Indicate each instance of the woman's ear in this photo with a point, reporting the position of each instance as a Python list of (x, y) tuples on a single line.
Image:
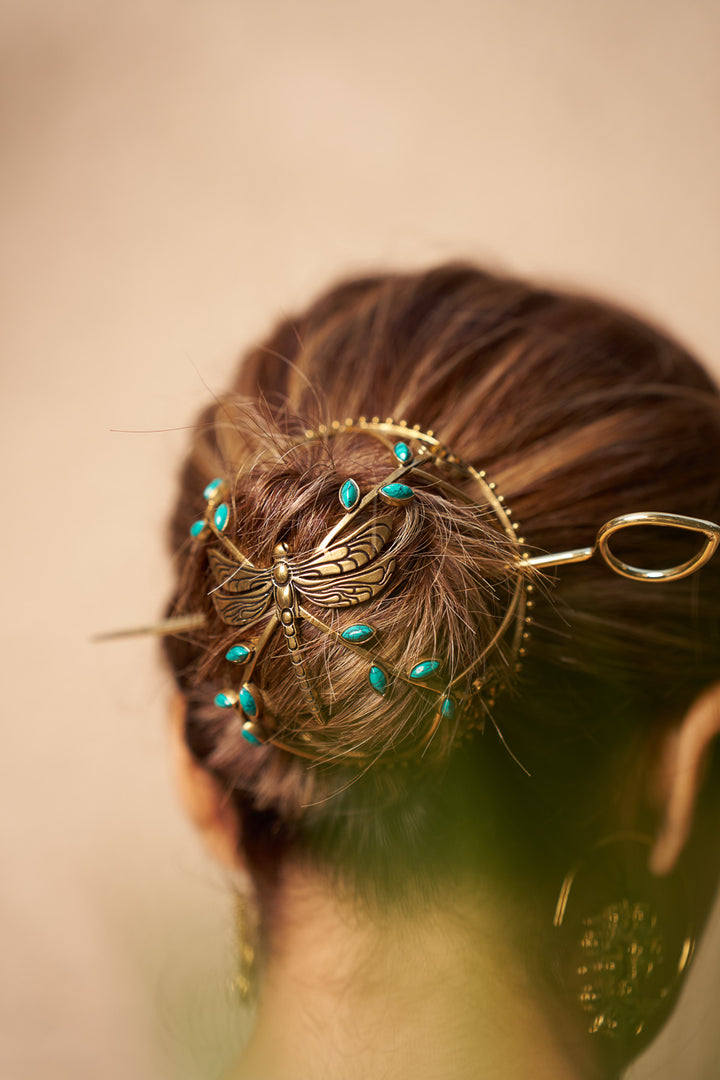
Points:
[(206, 805), (678, 777)]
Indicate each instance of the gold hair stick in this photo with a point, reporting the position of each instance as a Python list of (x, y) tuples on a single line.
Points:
[(561, 558), (179, 624)]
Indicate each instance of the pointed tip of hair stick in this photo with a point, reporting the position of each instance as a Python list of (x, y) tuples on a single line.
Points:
[(179, 624)]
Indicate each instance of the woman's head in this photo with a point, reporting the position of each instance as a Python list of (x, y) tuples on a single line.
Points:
[(579, 413)]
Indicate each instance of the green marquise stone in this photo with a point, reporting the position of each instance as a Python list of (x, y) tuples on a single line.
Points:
[(447, 709), (248, 704), (402, 452), (377, 679), (212, 487), (222, 516), (397, 492), (238, 654), (248, 734), (225, 700), (197, 527), (349, 494), (425, 669), (357, 633)]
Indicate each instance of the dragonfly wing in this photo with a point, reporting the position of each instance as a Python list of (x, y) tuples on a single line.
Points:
[(346, 555), (242, 593), (241, 610), (354, 587), (234, 577)]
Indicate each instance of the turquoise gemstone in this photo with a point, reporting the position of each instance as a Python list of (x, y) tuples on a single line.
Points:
[(225, 700), (447, 709), (248, 704), (222, 516), (212, 487), (197, 527), (249, 736), (238, 654), (402, 452), (425, 669), (377, 679), (358, 633), (397, 493), (349, 494)]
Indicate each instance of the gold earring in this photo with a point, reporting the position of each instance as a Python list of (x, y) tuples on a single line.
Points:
[(244, 981), (628, 937)]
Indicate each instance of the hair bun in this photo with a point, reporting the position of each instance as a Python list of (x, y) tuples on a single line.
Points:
[(366, 599)]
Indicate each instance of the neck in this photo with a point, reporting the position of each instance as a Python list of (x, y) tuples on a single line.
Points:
[(433, 993)]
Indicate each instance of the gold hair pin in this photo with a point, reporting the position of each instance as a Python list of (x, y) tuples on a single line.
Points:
[(354, 563), (351, 566)]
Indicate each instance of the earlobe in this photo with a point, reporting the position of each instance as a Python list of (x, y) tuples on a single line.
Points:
[(201, 796), (680, 774)]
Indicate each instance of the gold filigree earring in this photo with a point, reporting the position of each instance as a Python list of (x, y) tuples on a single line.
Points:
[(627, 937), (244, 981)]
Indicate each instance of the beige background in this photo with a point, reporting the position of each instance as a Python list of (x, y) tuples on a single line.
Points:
[(175, 173)]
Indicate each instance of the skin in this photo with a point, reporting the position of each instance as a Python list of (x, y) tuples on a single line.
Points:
[(430, 994)]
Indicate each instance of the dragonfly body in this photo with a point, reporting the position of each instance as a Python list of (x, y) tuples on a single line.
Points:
[(286, 610), (284, 595)]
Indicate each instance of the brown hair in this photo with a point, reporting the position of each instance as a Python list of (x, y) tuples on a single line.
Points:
[(580, 412)]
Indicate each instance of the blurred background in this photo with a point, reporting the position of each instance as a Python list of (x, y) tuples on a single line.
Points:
[(175, 174)]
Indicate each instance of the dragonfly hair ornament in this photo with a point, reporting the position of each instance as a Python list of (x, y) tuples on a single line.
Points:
[(353, 563)]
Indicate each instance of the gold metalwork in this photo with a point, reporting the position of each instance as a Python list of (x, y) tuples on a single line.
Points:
[(621, 967), (177, 624), (243, 982), (354, 563), (352, 571), (350, 566), (708, 529)]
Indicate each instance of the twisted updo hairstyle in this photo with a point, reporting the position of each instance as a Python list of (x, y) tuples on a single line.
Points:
[(580, 413)]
